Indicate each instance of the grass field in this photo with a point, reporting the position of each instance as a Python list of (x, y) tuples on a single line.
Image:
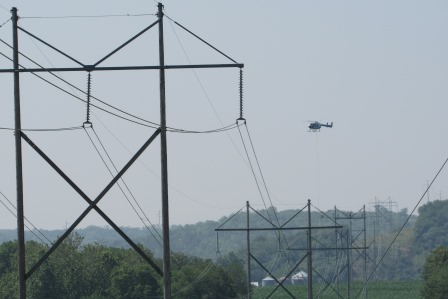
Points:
[(375, 290)]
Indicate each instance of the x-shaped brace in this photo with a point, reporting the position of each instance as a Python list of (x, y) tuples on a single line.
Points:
[(92, 204)]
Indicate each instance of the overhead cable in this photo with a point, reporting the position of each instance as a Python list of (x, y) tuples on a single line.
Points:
[(122, 180), (31, 231), (87, 16), (279, 233), (45, 130), (202, 40), (154, 125), (79, 98), (5, 22), (404, 224), (156, 175), (204, 91), (71, 85)]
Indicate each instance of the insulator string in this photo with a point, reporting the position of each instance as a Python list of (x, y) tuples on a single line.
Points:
[(241, 94), (87, 122)]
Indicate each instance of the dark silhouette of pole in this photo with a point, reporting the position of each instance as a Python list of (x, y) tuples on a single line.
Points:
[(17, 69), (349, 266), (19, 173), (164, 165), (365, 255), (310, 261), (248, 253)]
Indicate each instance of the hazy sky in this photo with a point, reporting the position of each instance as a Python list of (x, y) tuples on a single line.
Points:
[(377, 69)]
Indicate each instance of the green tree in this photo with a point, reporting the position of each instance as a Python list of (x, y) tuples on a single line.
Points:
[(435, 274), (8, 256), (9, 285), (234, 267), (206, 279), (98, 263), (431, 225), (134, 282)]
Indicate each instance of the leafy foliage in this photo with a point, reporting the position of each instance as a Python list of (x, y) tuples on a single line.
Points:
[(95, 271), (432, 225), (435, 274)]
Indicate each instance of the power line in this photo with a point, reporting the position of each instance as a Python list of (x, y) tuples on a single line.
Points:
[(405, 222), (110, 171), (5, 22), (253, 173), (71, 85), (45, 130), (156, 175), (224, 128), (89, 16), (31, 231), (279, 233), (202, 40), (154, 126), (203, 89), (132, 195)]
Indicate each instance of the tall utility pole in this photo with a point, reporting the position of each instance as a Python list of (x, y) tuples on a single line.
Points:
[(310, 257), (19, 135), (248, 251), (164, 165), (19, 173)]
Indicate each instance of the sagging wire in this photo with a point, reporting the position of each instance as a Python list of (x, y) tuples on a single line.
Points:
[(149, 123), (403, 226), (85, 16), (159, 239), (124, 183), (4, 23), (223, 129), (156, 175), (253, 171), (263, 180), (29, 222), (203, 89), (277, 233), (45, 130), (79, 98), (72, 86)]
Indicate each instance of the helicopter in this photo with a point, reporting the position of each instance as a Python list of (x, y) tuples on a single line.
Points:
[(315, 126)]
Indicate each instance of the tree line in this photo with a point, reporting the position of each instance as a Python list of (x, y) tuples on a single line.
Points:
[(82, 268), (94, 271)]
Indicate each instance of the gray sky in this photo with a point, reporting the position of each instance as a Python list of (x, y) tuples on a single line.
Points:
[(377, 69)]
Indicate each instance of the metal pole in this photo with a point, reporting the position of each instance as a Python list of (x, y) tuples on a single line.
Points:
[(348, 263), (365, 256), (164, 165), (310, 265), (248, 252), (337, 251), (19, 173)]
